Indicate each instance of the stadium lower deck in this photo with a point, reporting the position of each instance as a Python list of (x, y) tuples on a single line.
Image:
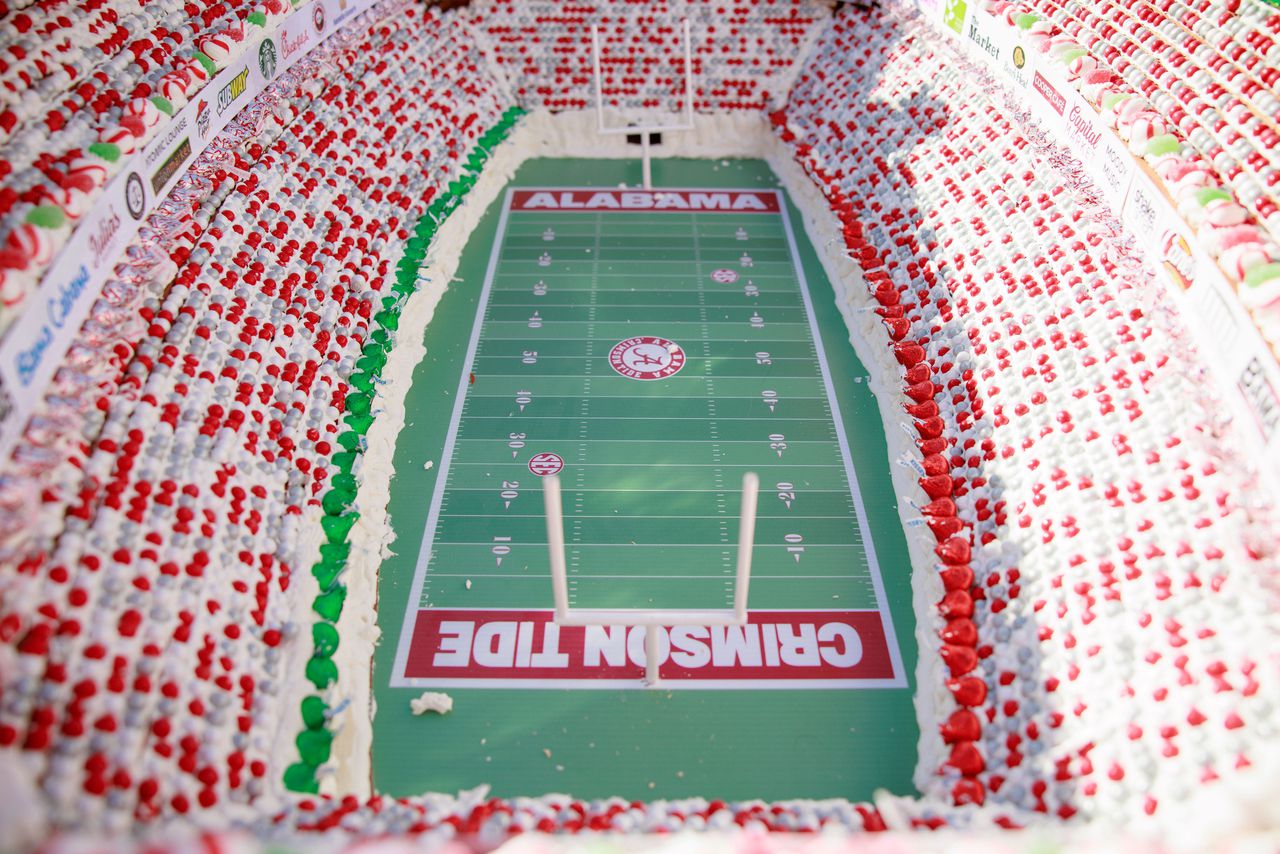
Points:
[(650, 355)]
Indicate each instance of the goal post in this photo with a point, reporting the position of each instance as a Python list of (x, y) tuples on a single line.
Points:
[(644, 129), (650, 618)]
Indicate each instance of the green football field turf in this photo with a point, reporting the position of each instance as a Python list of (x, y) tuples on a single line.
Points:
[(651, 357)]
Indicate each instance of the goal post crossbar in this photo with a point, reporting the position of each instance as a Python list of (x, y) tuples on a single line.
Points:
[(643, 129), (650, 617)]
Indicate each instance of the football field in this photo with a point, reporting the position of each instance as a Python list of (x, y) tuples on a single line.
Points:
[(649, 348)]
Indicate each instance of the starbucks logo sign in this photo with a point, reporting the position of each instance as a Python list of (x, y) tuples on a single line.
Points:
[(267, 59)]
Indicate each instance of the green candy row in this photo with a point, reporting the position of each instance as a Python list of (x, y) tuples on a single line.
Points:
[(315, 741)]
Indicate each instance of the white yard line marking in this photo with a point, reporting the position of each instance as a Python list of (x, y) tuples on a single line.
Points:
[(783, 465), (538, 578)]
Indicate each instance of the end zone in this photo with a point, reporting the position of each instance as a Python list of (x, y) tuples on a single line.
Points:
[(502, 648)]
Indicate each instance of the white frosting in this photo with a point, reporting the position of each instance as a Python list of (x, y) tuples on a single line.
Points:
[(23, 817), (431, 701), (297, 648)]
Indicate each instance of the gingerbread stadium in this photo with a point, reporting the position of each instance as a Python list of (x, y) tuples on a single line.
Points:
[(772, 426)]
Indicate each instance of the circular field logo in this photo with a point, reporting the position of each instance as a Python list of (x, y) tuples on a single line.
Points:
[(725, 276), (546, 464), (646, 358)]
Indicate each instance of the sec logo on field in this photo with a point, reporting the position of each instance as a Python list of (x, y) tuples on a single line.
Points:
[(646, 358), (724, 276), (546, 464)]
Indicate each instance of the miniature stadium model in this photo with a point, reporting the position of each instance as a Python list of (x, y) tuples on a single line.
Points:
[(435, 424)]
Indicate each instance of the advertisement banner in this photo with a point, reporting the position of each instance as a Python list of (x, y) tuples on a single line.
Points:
[(1245, 367), (1112, 167), (1247, 373), (954, 15), (1012, 56), (34, 346)]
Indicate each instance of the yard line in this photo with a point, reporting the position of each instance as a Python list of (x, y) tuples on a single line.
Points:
[(537, 576), (542, 305), (580, 357), (660, 491), (720, 546), (505, 516), (535, 338), (781, 464), (525, 376), (540, 338), (633, 397), (682, 441), (761, 418)]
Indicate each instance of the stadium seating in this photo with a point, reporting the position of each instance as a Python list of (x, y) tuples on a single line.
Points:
[(1102, 550), (1204, 69), (1061, 427), (744, 52), (149, 621), (83, 83)]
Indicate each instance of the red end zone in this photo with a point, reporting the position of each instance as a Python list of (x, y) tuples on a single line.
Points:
[(525, 648)]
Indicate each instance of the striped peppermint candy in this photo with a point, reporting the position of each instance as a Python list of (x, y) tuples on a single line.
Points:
[(86, 174), (14, 287), (1221, 213), (1238, 259), (145, 110), (1141, 129), (174, 88), (193, 69), (31, 243), (1261, 290), (72, 201), (1082, 65), (119, 136), (218, 48)]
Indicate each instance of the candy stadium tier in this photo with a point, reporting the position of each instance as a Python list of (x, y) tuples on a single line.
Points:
[(744, 53), (153, 596), (1065, 438), (84, 85), (1095, 559)]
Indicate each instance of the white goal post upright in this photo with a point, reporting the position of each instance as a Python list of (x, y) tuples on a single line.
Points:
[(643, 129), (650, 618)]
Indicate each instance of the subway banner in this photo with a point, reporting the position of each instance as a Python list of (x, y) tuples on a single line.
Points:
[(34, 346)]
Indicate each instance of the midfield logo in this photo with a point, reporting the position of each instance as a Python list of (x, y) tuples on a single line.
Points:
[(647, 358)]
